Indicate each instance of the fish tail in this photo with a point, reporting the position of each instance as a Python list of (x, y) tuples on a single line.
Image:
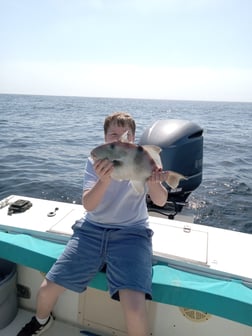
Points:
[(174, 179)]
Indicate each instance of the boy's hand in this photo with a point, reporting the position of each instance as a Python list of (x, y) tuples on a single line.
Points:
[(158, 176), (158, 193), (92, 197), (103, 168)]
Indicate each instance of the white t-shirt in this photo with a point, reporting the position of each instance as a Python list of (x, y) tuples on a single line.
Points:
[(121, 205)]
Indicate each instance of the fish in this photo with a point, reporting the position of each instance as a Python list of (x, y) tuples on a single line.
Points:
[(134, 163)]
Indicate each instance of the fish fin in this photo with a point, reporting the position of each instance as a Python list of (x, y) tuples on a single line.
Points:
[(138, 186), (152, 148), (154, 152), (124, 137), (174, 179)]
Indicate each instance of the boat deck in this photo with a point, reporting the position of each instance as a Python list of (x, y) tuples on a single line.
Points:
[(58, 327), (196, 273)]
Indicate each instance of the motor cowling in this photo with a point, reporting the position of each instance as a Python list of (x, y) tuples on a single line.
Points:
[(181, 144)]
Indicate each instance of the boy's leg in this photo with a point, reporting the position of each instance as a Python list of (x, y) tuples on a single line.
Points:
[(47, 297), (129, 274), (135, 313), (76, 266)]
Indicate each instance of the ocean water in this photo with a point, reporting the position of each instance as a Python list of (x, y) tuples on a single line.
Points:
[(45, 140)]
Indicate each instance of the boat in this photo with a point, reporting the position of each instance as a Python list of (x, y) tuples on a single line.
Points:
[(202, 275)]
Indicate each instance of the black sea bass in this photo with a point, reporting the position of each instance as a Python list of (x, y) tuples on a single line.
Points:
[(133, 162)]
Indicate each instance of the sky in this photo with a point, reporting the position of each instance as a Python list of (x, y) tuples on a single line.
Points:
[(155, 49)]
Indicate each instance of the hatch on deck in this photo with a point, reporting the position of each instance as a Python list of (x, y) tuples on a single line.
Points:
[(180, 243)]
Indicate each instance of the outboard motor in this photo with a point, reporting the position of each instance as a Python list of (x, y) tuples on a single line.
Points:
[(181, 142)]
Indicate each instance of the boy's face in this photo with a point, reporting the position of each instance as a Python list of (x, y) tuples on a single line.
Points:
[(115, 132)]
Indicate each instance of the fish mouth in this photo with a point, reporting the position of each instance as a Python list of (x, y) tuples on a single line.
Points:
[(117, 163)]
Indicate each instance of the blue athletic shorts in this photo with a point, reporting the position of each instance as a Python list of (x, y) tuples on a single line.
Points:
[(126, 253)]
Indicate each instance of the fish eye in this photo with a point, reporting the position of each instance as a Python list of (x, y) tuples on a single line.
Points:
[(112, 145), (140, 148)]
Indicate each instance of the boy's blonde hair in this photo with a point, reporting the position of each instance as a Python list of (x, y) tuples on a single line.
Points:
[(122, 119)]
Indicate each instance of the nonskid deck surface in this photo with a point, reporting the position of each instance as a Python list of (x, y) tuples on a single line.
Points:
[(57, 329)]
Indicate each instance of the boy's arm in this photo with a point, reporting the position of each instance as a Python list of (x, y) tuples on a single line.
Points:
[(92, 197), (157, 192)]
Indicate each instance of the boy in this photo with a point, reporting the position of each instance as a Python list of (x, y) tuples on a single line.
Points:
[(114, 232)]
